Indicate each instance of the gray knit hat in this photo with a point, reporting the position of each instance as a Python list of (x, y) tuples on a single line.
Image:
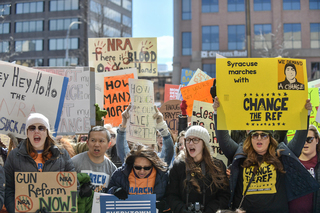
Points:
[(199, 132)]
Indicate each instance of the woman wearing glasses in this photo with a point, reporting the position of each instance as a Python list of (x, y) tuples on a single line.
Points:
[(310, 158), (142, 173), (197, 180), (265, 174), (38, 153)]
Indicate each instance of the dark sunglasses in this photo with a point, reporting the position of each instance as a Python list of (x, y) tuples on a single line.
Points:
[(309, 139), (33, 128), (146, 168), (113, 135), (262, 135), (84, 138)]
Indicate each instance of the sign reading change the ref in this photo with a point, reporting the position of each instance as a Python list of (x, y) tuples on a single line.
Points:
[(262, 93)]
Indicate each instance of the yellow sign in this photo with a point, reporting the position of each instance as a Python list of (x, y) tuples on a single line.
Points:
[(262, 93), (110, 54)]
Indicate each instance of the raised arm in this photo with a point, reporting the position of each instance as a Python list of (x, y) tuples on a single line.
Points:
[(121, 142)]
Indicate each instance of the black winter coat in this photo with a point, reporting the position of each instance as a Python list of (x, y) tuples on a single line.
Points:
[(316, 195), (20, 161)]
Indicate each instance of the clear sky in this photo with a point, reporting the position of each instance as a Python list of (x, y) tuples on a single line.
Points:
[(154, 18)]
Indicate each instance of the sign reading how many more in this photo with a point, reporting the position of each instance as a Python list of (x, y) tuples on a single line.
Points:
[(262, 93), (110, 54)]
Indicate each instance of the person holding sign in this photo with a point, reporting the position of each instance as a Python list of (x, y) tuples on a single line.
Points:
[(290, 83), (265, 174), (38, 153), (197, 180)]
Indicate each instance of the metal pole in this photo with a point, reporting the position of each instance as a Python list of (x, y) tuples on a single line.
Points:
[(248, 28), (67, 41)]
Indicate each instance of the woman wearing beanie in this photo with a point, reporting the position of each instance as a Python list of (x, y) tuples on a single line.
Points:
[(196, 179), (37, 153), (265, 174)]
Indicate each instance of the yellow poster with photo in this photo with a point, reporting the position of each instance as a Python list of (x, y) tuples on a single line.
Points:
[(262, 93), (111, 54)]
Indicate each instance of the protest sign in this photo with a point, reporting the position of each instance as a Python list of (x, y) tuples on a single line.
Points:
[(56, 191), (170, 111), (198, 77), (78, 113), (256, 93), (116, 97), (145, 203), (170, 92), (141, 127), (110, 54), (186, 76), (199, 92), (25, 90)]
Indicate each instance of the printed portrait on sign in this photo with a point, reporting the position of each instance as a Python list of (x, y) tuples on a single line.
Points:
[(290, 77)]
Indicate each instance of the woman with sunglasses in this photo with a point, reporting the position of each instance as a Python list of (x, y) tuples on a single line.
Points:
[(142, 173), (265, 174), (37, 153), (310, 158), (196, 179)]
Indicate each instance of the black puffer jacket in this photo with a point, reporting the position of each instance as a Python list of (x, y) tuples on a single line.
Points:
[(316, 195), (20, 161)]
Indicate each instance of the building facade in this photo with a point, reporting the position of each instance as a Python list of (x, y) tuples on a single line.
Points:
[(56, 32), (245, 28)]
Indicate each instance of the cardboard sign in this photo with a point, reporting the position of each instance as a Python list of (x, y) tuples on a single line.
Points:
[(141, 127), (25, 90), (116, 97), (170, 92), (170, 111), (78, 113), (186, 76), (199, 92), (56, 191), (255, 93), (134, 203), (198, 77), (110, 54)]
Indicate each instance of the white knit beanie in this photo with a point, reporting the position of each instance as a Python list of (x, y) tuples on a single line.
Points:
[(37, 118), (199, 132)]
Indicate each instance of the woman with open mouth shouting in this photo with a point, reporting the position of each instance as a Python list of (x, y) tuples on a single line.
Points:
[(37, 153), (265, 174), (197, 181)]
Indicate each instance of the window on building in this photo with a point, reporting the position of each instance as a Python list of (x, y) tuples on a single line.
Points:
[(29, 45), (186, 9), (112, 14), (262, 36), (315, 70), (5, 9), (28, 26), (58, 62), (118, 2), (261, 5), (315, 35), (292, 36), (60, 44), (126, 4), (29, 7), (210, 38), (126, 20), (291, 4), (235, 5), (4, 28), (314, 4), (111, 31), (236, 37), (63, 24), (62, 5), (210, 6), (186, 43), (125, 34), (30, 62), (161, 82), (95, 7), (4, 46), (210, 69)]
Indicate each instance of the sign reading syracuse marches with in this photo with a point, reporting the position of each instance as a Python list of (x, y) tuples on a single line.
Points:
[(141, 126), (56, 191), (25, 90), (170, 111), (110, 54), (263, 93), (77, 115)]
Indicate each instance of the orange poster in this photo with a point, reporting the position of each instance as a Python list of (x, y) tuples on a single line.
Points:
[(116, 97)]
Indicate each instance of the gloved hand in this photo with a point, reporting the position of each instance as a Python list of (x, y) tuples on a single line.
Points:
[(43, 210), (121, 193), (161, 124), (125, 116), (161, 205), (183, 107), (213, 90), (86, 190)]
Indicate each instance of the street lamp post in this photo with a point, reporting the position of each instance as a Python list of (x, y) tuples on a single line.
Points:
[(67, 40)]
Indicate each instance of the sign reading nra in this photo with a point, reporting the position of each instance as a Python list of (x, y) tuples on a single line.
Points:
[(234, 53)]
